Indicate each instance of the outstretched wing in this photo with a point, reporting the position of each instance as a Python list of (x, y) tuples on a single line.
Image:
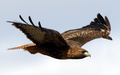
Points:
[(97, 28), (39, 35)]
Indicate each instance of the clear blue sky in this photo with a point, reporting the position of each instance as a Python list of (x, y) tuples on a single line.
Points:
[(60, 15)]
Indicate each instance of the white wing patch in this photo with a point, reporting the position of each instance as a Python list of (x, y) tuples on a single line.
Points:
[(102, 30)]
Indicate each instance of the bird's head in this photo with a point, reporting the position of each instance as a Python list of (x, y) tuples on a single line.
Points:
[(84, 53), (78, 53)]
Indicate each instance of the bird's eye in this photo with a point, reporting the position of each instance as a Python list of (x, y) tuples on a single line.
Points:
[(83, 51)]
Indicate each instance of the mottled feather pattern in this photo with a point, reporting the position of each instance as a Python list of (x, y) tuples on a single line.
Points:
[(38, 35), (66, 45), (31, 32), (97, 29), (83, 36)]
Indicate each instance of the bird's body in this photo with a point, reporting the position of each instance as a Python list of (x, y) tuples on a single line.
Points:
[(66, 45)]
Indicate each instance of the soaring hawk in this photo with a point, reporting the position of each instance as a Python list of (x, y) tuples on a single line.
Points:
[(66, 45)]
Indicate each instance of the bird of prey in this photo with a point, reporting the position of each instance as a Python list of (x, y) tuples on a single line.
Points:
[(66, 45)]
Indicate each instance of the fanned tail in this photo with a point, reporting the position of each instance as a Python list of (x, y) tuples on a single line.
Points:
[(32, 48)]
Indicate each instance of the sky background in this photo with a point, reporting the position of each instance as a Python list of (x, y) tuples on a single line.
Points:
[(60, 15)]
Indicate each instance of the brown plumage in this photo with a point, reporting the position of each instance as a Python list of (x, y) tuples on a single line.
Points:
[(66, 45)]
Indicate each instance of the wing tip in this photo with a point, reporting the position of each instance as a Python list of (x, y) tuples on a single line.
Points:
[(98, 14), (31, 21), (26, 22), (100, 18), (39, 25), (104, 20), (107, 22), (10, 21)]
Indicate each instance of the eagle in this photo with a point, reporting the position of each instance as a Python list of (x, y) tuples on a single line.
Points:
[(66, 45)]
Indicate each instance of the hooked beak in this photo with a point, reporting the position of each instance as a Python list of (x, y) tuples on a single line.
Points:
[(87, 54)]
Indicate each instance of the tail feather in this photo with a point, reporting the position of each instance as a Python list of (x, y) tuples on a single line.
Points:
[(32, 48), (23, 46)]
